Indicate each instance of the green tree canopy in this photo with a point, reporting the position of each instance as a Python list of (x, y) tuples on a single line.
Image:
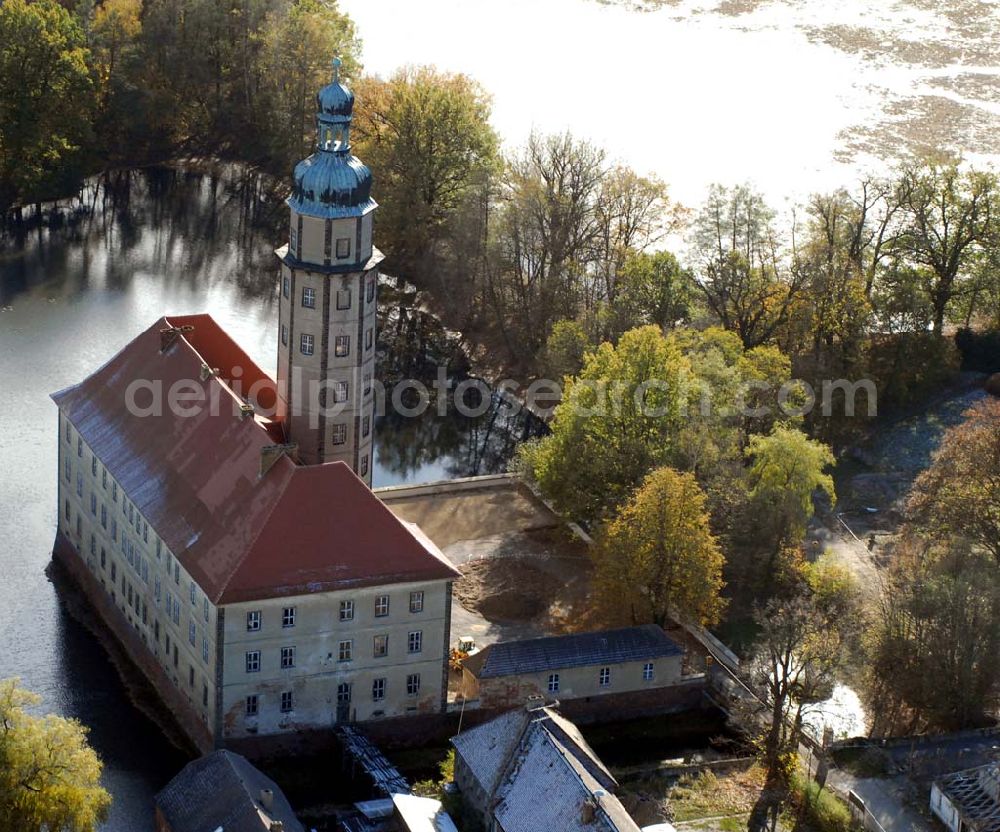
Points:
[(49, 776), (617, 420), (657, 559), (46, 98), (427, 136)]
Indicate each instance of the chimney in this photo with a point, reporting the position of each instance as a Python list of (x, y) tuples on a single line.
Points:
[(534, 703), (277, 826), (267, 800)]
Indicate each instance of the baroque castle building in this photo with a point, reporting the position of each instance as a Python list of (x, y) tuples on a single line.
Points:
[(228, 537)]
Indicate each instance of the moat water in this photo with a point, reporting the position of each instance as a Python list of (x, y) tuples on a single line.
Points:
[(77, 287)]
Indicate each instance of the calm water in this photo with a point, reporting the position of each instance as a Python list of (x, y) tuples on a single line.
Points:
[(794, 95), (76, 289)]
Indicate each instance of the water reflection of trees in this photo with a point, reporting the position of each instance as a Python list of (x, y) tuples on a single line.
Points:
[(187, 226), (413, 345)]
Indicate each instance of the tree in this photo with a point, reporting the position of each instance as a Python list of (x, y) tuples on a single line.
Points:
[(279, 86), (959, 494), (799, 649), (932, 653), (46, 98), (742, 276), (565, 350), (618, 419), (786, 470), (658, 559), (652, 289), (49, 776), (948, 216), (427, 135)]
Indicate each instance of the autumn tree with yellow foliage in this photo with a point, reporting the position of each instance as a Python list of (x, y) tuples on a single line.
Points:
[(50, 778), (657, 559)]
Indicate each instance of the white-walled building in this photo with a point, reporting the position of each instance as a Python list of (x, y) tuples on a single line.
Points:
[(260, 594)]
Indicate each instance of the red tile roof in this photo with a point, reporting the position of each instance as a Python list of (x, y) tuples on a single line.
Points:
[(243, 537)]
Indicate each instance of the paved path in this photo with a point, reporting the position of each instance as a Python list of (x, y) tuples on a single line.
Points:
[(884, 798)]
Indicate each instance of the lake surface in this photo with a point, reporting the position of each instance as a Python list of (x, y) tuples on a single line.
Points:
[(793, 95), (73, 291)]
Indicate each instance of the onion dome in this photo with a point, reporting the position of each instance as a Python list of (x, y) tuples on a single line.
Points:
[(332, 182)]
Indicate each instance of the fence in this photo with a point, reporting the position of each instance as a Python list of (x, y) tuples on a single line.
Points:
[(861, 815)]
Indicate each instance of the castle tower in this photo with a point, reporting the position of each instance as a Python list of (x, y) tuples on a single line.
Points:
[(326, 339)]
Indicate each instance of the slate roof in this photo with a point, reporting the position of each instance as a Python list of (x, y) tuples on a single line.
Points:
[(542, 774), (606, 647), (196, 478), (222, 791)]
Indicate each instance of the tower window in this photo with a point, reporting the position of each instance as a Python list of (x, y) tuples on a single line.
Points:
[(340, 391), (339, 434), (371, 289), (366, 425), (286, 285), (368, 383), (343, 298), (364, 465), (369, 338), (309, 297), (343, 247), (342, 345), (284, 335), (294, 242), (306, 343)]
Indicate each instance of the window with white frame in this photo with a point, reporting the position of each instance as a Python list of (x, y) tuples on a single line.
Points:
[(366, 425), (604, 677), (192, 633), (413, 684), (344, 693), (416, 602), (346, 610), (340, 391), (253, 661), (369, 338), (342, 345), (378, 690), (339, 434), (287, 657), (288, 617), (381, 606), (345, 650), (364, 465), (553, 683), (647, 672), (252, 705), (306, 343), (309, 297), (286, 285), (381, 646), (287, 702), (415, 641)]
